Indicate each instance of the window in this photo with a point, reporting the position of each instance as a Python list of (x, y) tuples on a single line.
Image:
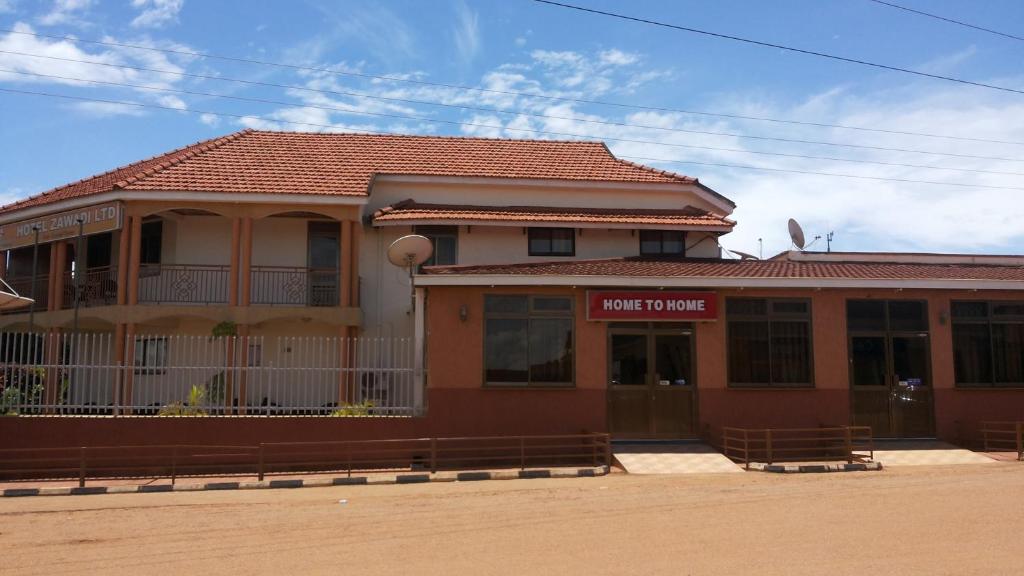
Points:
[(528, 340), (988, 343), (552, 241), (150, 355), (662, 243), (769, 342), (151, 241), (446, 242)]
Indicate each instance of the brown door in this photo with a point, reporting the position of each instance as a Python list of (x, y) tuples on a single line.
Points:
[(651, 389), (890, 376)]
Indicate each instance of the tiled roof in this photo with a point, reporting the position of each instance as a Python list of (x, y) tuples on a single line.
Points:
[(410, 211), (253, 161), (712, 268)]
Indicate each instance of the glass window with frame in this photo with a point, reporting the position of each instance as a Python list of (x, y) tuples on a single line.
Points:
[(528, 340), (446, 244), (662, 243), (988, 343), (150, 355), (769, 342), (552, 241)]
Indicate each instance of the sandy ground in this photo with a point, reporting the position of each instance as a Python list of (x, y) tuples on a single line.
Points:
[(917, 520)]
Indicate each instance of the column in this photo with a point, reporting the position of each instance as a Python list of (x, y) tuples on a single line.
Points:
[(354, 260), (419, 340), (123, 260), (236, 241), (345, 260), (58, 260), (246, 262), (134, 260)]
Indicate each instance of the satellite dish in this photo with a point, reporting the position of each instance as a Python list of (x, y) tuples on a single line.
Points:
[(796, 234), (409, 251), (9, 298), (744, 255)]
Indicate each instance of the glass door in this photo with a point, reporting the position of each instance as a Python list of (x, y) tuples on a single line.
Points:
[(651, 392), (890, 361), (323, 260)]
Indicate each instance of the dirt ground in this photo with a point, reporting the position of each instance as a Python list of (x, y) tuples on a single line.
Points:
[(915, 520)]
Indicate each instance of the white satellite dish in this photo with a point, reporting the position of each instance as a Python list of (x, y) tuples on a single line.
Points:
[(409, 251), (10, 299), (796, 234), (744, 255)]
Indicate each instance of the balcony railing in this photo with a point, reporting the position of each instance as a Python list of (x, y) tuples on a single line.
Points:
[(289, 286), (183, 284), (23, 286), (97, 287)]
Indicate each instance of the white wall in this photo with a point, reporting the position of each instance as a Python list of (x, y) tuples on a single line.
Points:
[(279, 242)]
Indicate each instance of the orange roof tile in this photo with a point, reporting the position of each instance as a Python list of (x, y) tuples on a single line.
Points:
[(253, 161), (410, 211), (712, 268)]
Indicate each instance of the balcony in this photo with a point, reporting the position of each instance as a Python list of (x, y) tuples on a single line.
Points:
[(184, 284), (23, 286), (97, 287), (294, 286)]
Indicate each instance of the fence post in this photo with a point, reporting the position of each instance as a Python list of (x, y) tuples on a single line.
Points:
[(746, 449), (849, 445), (433, 455), (259, 469), (1020, 440), (81, 467), (522, 453), (768, 445), (174, 464), (593, 451), (607, 450)]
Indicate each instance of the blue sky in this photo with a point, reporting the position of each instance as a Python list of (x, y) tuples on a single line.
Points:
[(521, 46)]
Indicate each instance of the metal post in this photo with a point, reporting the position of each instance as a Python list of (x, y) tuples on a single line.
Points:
[(35, 272), (78, 272), (1020, 440), (522, 453), (174, 464), (768, 445), (261, 463), (81, 467), (433, 455), (849, 445)]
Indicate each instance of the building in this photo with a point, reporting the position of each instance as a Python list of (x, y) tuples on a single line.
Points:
[(568, 290)]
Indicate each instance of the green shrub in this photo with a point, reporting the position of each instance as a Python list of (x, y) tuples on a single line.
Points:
[(191, 408), (363, 408)]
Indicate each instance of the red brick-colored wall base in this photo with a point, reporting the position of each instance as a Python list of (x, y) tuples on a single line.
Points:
[(452, 412), (763, 408), (960, 412)]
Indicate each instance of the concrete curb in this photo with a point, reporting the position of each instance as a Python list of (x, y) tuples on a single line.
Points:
[(414, 478), (816, 468)]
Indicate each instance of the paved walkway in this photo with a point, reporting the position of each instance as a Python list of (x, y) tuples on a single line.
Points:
[(925, 453), (658, 458)]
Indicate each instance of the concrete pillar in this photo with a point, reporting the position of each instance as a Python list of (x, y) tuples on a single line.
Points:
[(246, 262), (123, 262), (57, 276), (419, 342), (345, 261), (134, 259), (236, 241), (354, 259)]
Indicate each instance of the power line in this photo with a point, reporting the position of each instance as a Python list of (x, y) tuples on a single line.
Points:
[(492, 126), (779, 46), (461, 87), (360, 131), (812, 173), (531, 114), (950, 20)]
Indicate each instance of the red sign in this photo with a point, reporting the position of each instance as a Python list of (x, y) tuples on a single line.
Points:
[(651, 305)]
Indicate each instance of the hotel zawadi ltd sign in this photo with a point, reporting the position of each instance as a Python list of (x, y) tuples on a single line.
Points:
[(651, 305), (62, 225)]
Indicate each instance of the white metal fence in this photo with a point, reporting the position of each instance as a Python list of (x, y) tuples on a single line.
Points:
[(179, 375)]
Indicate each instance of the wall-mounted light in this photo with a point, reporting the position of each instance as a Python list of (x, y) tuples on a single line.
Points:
[(463, 313)]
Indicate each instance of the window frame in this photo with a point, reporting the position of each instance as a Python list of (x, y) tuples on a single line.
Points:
[(989, 320), (432, 233), (142, 343), (769, 317), (530, 315), (661, 243), (531, 231)]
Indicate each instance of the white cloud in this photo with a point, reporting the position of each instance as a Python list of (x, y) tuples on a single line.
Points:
[(156, 13), (466, 32), (107, 109), (210, 119), (65, 12), (616, 57), (520, 41)]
